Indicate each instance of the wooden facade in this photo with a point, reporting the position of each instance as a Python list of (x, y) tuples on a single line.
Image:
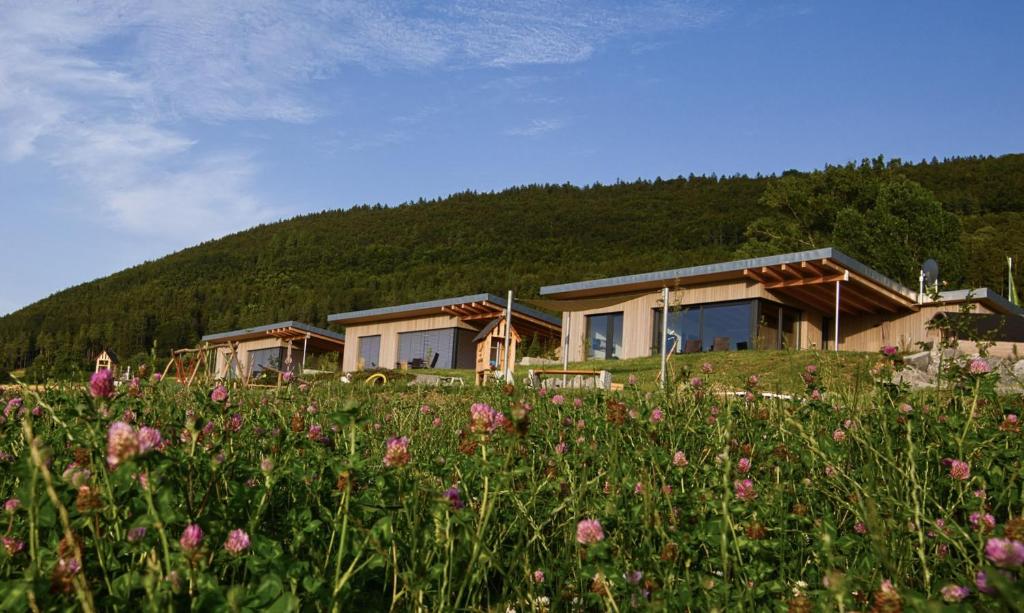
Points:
[(872, 310), (387, 337), (285, 346)]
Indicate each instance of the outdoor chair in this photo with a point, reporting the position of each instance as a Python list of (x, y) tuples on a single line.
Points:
[(692, 346)]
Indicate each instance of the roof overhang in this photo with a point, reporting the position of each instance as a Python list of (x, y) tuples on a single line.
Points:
[(312, 336), (805, 276), (475, 310)]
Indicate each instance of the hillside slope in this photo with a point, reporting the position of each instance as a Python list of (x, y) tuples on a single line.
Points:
[(520, 238)]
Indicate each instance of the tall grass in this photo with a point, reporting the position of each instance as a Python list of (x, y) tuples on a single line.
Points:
[(842, 498)]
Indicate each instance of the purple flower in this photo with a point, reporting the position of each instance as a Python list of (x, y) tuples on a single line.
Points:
[(538, 576), (12, 505), (101, 384), (889, 350), (483, 418), (397, 452), (266, 465), (136, 534), (235, 422), (745, 490), (978, 366), (238, 541), (589, 531), (453, 496), (679, 459), (219, 394), (287, 376), (958, 469), (743, 465), (838, 435), (657, 416), (191, 537), (122, 443), (954, 593), (149, 439), (557, 399), (1004, 553), (12, 545)]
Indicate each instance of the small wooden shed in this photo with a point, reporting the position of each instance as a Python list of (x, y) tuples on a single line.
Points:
[(107, 359), (490, 348)]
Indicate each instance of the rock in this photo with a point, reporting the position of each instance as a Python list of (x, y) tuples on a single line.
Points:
[(538, 362), (915, 378), (921, 360), (426, 380), (951, 353), (1018, 369)]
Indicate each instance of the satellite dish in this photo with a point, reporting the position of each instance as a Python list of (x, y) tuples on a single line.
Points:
[(930, 269)]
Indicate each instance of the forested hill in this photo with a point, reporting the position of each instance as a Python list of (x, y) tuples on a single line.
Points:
[(524, 237)]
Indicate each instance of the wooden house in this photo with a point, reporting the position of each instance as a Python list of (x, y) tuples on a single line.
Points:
[(274, 348), (811, 299), (439, 333), (107, 359)]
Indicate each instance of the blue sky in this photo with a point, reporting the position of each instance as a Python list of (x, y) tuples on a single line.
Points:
[(129, 130)]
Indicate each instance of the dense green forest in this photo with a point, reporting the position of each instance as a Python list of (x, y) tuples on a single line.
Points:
[(966, 212)]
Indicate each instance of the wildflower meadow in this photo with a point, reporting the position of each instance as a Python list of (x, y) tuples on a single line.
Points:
[(323, 496)]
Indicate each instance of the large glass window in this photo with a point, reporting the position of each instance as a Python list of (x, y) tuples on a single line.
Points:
[(427, 348), (604, 336), (778, 327), (369, 351), (261, 360), (728, 326)]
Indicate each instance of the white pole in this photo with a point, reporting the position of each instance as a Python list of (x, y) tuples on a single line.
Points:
[(835, 336), (565, 345), (508, 338), (664, 335), (305, 341)]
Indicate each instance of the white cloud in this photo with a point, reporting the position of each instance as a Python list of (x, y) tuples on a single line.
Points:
[(102, 90), (536, 127)]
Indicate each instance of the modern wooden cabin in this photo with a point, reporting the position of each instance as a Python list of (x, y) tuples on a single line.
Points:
[(439, 333), (811, 299), (284, 347)]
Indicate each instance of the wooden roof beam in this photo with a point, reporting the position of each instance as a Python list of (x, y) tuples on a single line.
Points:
[(786, 268), (878, 302), (822, 301), (768, 272), (807, 281), (811, 266), (755, 276)]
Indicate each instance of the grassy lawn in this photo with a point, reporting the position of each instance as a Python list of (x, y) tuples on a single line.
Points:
[(778, 371)]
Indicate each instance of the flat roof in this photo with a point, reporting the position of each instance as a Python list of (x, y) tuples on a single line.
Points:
[(982, 294), (727, 269), (258, 330), (415, 309)]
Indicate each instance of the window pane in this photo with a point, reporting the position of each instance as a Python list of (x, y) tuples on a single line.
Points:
[(604, 336), (683, 324), (597, 336), (726, 326), (369, 351), (768, 326), (419, 348), (615, 321), (261, 359)]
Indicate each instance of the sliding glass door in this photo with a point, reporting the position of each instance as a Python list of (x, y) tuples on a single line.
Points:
[(604, 336)]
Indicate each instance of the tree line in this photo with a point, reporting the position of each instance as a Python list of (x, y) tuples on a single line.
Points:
[(968, 213)]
